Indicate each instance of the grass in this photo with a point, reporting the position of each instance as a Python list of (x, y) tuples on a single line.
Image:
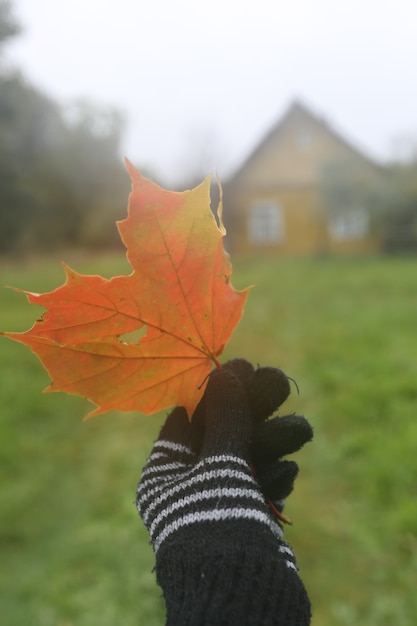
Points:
[(74, 552)]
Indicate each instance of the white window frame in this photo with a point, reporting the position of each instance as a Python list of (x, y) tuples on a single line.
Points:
[(265, 223), (349, 225)]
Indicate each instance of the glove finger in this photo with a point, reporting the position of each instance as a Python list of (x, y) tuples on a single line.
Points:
[(277, 480), (279, 437), (267, 389), (228, 422), (241, 368)]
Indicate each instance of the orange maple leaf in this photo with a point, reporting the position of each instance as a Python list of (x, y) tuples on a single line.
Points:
[(179, 293)]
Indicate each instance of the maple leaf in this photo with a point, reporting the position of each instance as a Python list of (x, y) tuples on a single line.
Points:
[(179, 296)]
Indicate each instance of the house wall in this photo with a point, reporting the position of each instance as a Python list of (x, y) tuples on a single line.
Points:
[(305, 226), (302, 231)]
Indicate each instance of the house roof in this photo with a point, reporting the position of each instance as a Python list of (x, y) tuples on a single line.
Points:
[(280, 157)]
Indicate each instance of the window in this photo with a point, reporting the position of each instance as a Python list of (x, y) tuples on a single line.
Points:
[(350, 224), (266, 223)]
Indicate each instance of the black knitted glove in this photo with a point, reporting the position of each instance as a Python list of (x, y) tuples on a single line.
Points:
[(220, 556)]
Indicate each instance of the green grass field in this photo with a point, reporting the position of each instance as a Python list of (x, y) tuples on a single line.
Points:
[(74, 552)]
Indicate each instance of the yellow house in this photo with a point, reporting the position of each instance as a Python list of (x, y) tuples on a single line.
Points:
[(302, 191)]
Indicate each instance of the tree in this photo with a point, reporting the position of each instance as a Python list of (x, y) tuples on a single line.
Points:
[(397, 200), (8, 26), (89, 162), (11, 195), (61, 177)]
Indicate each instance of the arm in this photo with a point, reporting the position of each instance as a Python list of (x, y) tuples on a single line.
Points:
[(220, 553)]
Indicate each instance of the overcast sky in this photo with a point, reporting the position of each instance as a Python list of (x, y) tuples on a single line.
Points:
[(219, 74)]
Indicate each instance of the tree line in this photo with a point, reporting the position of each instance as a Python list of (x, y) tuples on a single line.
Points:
[(62, 181)]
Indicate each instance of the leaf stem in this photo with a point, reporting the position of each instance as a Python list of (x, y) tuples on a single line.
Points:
[(216, 362)]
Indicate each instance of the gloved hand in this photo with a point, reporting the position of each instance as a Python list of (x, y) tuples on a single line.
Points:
[(220, 553)]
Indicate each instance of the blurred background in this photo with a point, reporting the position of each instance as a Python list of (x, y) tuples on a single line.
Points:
[(308, 114)]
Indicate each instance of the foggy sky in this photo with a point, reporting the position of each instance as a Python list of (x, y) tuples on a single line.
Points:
[(201, 83)]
